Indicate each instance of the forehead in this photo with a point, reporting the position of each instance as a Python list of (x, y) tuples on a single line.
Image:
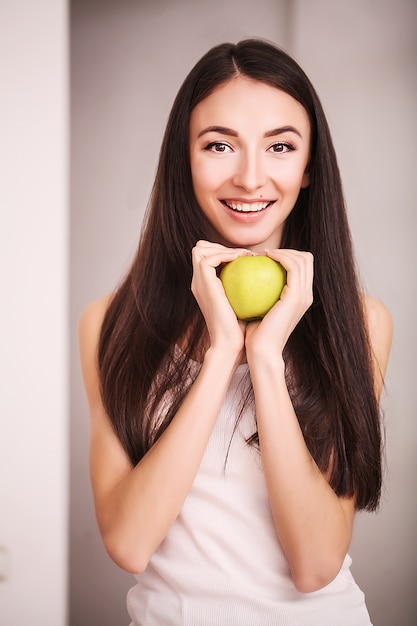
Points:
[(242, 99)]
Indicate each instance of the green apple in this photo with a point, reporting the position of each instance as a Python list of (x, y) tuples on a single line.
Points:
[(253, 284)]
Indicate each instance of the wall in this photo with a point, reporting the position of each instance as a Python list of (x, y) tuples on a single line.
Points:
[(128, 60), (34, 282), (361, 56)]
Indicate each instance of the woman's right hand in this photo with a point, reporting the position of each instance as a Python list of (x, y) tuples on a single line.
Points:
[(225, 331)]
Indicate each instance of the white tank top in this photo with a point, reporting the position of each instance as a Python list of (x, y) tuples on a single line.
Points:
[(221, 563)]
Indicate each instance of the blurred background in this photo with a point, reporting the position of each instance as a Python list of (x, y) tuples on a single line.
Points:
[(87, 88)]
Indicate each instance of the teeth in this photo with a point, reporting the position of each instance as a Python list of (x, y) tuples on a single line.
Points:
[(254, 207)]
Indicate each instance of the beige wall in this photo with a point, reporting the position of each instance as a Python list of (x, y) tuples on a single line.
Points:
[(365, 69), (128, 59), (34, 284), (362, 57)]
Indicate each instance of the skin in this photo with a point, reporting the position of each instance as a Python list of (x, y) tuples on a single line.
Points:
[(240, 157), (135, 507)]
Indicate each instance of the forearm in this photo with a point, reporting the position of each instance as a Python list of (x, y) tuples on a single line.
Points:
[(312, 523), (136, 514)]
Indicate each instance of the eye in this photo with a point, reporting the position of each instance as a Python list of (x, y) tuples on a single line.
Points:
[(281, 147), (218, 146)]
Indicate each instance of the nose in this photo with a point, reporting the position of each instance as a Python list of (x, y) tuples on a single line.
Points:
[(250, 172)]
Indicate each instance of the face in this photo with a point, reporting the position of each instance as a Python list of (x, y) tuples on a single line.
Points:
[(249, 151)]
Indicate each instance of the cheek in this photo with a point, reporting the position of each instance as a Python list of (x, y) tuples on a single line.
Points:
[(200, 189), (200, 179), (293, 179), (206, 177)]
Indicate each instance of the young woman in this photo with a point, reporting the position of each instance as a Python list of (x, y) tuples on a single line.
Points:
[(228, 459)]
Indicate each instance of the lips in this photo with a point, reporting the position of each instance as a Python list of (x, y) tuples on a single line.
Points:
[(247, 207)]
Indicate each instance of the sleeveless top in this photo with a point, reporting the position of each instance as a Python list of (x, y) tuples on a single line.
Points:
[(221, 563)]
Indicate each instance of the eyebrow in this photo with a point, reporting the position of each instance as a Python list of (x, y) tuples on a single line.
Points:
[(223, 130), (282, 130)]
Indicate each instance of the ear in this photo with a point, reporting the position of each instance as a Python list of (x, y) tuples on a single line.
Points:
[(305, 180)]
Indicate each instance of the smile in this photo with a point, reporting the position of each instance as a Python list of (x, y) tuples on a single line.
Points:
[(246, 207)]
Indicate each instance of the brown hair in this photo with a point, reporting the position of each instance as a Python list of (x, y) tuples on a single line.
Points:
[(328, 364)]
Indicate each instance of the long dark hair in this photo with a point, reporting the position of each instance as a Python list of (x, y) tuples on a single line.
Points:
[(328, 360)]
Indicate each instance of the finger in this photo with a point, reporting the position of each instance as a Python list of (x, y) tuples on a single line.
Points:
[(214, 257), (296, 261), (202, 244), (291, 256), (299, 266)]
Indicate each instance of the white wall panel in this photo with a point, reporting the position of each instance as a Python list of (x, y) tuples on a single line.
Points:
[(34, 284)]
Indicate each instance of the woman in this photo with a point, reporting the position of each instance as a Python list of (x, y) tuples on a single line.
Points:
[(228, 459)]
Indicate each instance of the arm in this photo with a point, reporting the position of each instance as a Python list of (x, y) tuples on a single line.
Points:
[(313, 524), (135, 506)]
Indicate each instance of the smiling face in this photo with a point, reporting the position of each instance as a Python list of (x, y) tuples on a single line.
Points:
[(249, 150)]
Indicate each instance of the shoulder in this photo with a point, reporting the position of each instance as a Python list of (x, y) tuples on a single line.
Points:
[(92, 317), (95, 311), (380, 329), (378, 318), (89, 328)]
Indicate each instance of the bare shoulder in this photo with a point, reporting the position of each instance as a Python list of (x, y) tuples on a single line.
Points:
[(378, 318), (92, 317), (89, 329), (380, 328)]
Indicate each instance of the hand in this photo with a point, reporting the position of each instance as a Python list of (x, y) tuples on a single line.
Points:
[(225, 331), (295, 300)]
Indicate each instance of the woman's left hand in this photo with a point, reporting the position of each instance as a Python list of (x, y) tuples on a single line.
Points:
[(296, 298)]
